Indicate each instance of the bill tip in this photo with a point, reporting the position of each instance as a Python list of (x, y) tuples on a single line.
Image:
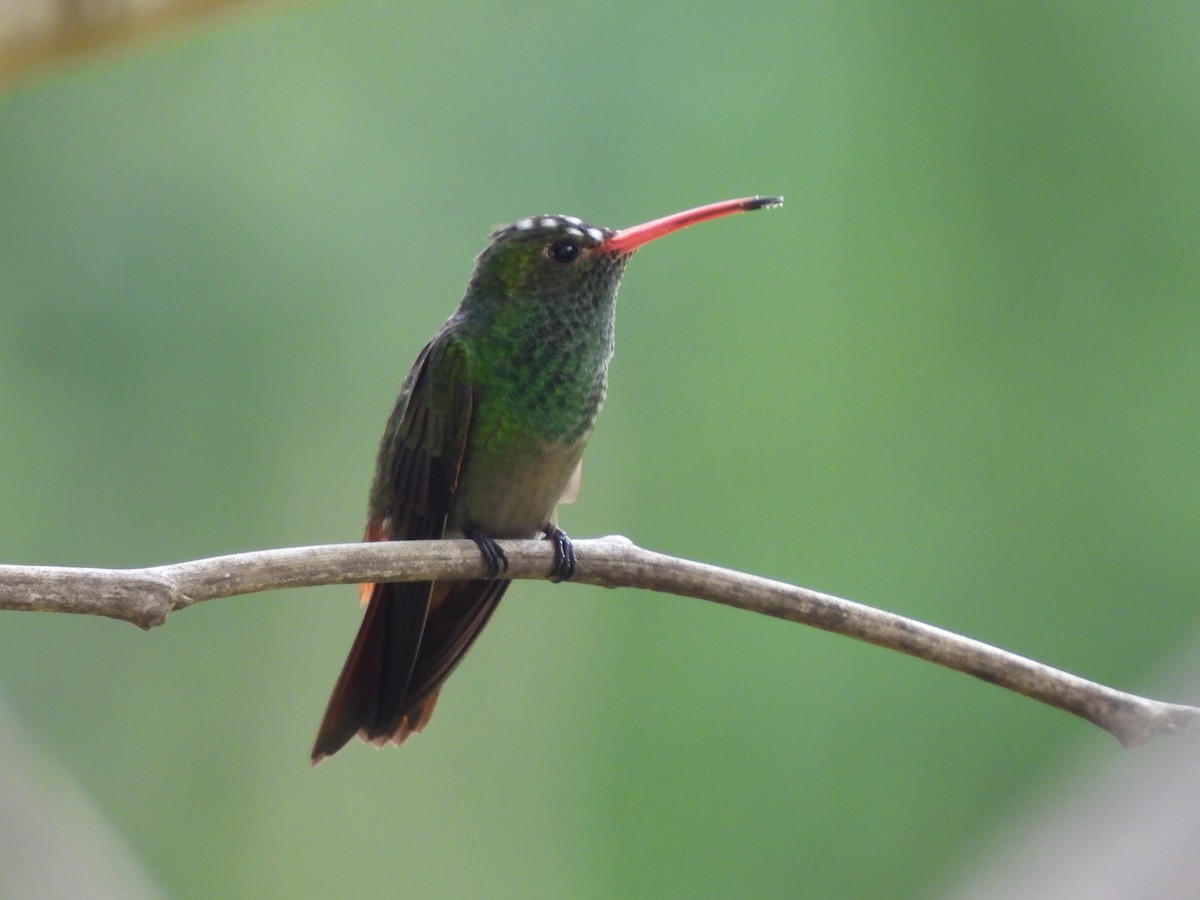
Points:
[(765, 203)]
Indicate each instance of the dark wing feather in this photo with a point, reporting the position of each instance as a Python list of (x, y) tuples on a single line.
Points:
[(415, 480), (460, 611)]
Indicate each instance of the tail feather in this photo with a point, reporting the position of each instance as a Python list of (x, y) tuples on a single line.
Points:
[(371, 688), (410, 724), (412, 637)]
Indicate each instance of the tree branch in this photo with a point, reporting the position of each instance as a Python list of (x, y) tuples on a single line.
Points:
[(146, 596), (35, 33)]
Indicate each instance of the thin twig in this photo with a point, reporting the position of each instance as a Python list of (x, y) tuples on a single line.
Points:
[(145, 597)]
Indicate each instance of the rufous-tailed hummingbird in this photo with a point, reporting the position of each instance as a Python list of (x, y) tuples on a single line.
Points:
[(486, 439)]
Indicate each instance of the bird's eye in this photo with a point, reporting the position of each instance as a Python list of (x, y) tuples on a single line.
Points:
[(563, 251)]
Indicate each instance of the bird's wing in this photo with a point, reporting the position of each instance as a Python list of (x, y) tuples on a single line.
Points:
[(424, 443), (419, 465)]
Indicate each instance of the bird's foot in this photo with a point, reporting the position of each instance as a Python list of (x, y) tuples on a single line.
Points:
[(493, 556), (564, 554)]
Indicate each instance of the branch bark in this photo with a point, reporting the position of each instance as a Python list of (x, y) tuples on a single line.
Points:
[(147, 596), (37, 33)]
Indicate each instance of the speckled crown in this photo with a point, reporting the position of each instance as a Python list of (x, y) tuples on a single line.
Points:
[(570, 226)]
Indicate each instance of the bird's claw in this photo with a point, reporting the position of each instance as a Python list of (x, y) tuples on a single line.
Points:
[(564, 554), (493, 555)]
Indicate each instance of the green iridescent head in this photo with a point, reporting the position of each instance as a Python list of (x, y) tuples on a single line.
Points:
[(557, 257), (549, 258)]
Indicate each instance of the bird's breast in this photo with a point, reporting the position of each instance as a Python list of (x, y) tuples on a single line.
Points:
[(510, 484)]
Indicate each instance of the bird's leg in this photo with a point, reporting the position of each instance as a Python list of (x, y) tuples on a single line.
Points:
[(564, 553), (493, 555)]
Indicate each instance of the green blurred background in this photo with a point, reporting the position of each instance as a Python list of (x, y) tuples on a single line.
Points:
[(955, 376)]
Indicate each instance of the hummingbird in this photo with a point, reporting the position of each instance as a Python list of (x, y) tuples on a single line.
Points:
[(485, 441)]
